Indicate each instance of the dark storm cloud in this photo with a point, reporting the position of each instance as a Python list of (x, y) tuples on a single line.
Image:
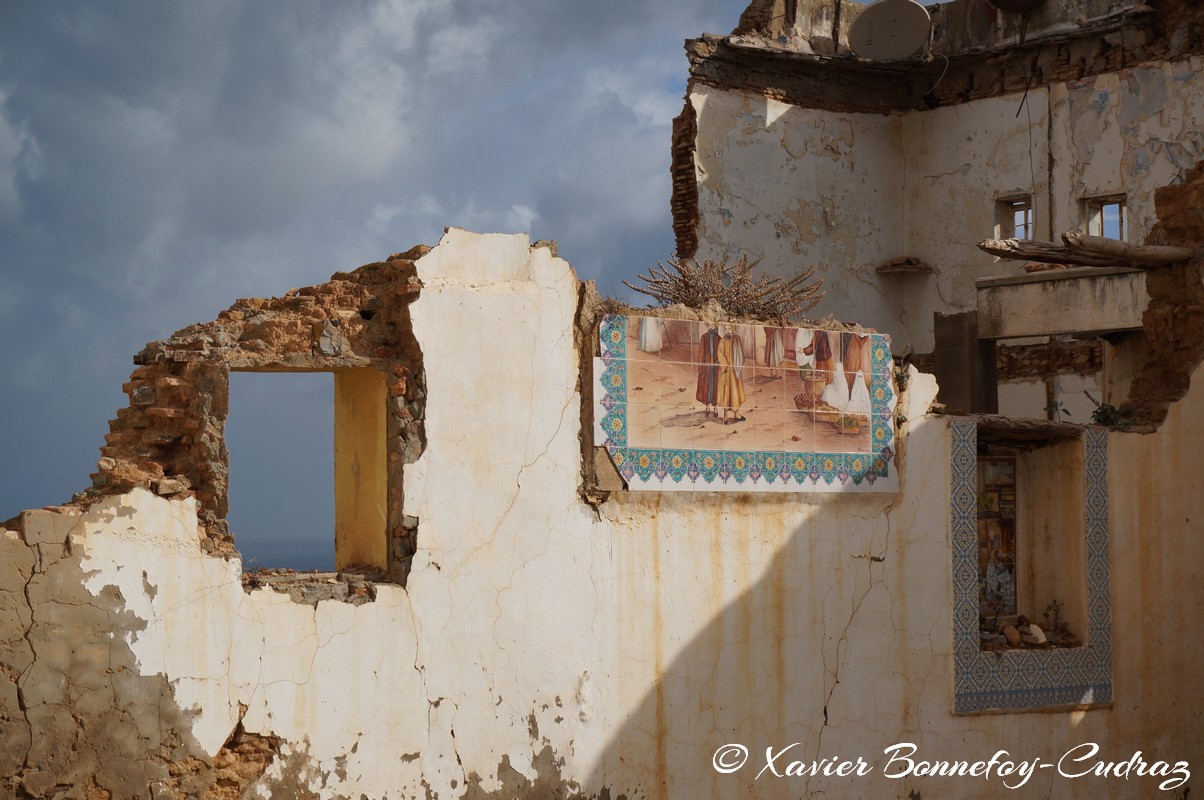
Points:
[(159, 160)]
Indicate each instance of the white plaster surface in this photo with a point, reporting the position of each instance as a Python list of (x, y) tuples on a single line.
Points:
[(1023, 399), (631, 641), (797, 187), (848, 191)]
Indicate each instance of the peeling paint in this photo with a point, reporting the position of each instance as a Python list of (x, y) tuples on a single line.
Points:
[(544, 647)]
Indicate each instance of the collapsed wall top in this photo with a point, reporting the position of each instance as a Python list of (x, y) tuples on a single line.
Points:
[(170, 436)]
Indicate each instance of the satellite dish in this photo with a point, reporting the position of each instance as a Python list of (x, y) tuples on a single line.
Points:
[(890, 29)]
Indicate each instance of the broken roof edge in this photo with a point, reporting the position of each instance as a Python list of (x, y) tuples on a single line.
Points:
[(958, 27), (170, 438), (773, 66)]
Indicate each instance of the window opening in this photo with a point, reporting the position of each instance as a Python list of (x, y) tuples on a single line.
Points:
[(281, 496), (1107, 217), (1016, 218), (1056, 653)]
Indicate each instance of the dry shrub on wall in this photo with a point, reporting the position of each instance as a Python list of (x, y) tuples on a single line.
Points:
[(693, 283)]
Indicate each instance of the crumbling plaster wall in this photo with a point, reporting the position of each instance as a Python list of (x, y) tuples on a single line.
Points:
[(958, 25), (925, 183), (795, 186), (170, 438), (1158, 567), (543, 647)]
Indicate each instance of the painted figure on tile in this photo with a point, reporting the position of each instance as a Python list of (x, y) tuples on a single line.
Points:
[(802, 341), (730, 355), (708, 370), (775, 351), (821, 349), (859, 397), (652, 334), (856, 358), (836, 393)]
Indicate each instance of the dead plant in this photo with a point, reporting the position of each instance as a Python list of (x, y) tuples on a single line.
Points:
[(693, 283)]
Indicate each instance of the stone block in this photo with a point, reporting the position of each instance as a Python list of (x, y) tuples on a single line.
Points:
[(49, 527), (173, 390), (142, 394), (16, 562), (169, 486)]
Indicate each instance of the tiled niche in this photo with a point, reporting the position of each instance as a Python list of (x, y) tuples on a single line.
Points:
[(689, 405), (1029, 679)]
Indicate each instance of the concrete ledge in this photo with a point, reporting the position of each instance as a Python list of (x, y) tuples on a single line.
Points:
[(1083, 300)]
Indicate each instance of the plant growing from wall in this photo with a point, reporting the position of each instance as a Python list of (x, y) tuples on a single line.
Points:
[(1121, 418), (693, 283), (1056, 409)]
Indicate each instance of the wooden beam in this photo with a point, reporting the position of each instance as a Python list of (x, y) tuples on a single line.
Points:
[(1087, 251), (1138, 255), (1045, 253)]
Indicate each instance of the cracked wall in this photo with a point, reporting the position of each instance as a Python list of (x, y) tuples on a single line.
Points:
[(812, 174), (544, 647), (170, 437)]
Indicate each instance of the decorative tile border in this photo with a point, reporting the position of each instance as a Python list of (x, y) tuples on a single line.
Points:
[(681, 444), (1028, 679)]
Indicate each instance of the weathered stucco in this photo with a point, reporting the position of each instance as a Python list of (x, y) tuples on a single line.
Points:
[(170, 438), (1086, 300), (796, 187), (802, 157), (850, 191), (543, 647)]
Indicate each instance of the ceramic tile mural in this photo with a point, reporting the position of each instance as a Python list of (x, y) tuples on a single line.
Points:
[(685, 405), (1024, 679)]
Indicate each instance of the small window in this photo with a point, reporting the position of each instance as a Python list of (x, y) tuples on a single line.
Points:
[(291, 527), (1107, 217), (1016, 217)]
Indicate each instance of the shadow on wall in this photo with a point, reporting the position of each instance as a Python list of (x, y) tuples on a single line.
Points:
[(839, 649), (811, 653)]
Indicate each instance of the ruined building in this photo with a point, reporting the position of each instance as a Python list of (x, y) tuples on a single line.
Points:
[(625, 544)]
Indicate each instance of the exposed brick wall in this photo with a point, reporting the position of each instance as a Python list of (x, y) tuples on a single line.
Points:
[(1036, 361), (684, 201), (1040, 361), (1174, 319), (170, 438)]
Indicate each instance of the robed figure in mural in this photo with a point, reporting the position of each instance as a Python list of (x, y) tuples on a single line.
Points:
[(652, 334), (730, 355), (804, 355), (708, 370), (821, 349), (775, 350), (836, 393), (856, 358)]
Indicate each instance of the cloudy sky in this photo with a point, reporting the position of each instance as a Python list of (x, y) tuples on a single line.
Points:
[(159, 160)]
